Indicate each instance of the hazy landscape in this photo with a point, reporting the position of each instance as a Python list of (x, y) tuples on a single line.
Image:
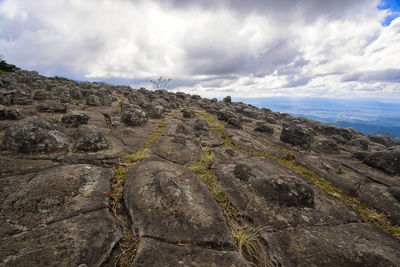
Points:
[(367, 115)]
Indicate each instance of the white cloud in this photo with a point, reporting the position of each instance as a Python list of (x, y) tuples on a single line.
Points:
[(255, 48)]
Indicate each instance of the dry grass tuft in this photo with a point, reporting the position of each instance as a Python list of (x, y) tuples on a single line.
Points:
[(247, 237), (127, 247)]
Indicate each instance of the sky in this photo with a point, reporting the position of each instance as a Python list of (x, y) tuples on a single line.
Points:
[(254, 48)]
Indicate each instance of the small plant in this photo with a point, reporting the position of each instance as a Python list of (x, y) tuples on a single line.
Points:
[(5, 67), (161, 83)]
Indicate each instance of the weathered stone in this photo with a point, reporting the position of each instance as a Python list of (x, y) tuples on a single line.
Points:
[(135, 117), (388, 161), (285, 190), (74, 119), (15, 97), (41, 95), (156, 253), (264, 128), (89, 138), (383, 140), (352, 244), (155, 111), (201, 125), (82, 240), (182, 129), (176, 152), (327, 146), (7, 113), (93, 100), (75, 93), (33, 135), (227, 99), (57, 193), (243, 172), (52, 107), (381, 198), (330, 129), (360, 142), (188, 113), (169, 202), (297, 135)]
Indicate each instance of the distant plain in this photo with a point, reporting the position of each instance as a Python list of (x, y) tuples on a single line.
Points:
[(369, 116)]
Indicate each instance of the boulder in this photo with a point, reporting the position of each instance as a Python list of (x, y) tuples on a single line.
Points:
[(264, 128), (227, 99), (89, 138), (76, 93), (297, 135), (41, 95), (285, 190), (388, 160), (15, 97), (201, 125), (155, 111), (330, 129), (34, 135), (360, 142), (74, 119), (188, 113), (7, 113), (93, 100), (383, 140), (134, 117)]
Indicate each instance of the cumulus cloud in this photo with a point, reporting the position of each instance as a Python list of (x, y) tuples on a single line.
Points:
[(245, 48)]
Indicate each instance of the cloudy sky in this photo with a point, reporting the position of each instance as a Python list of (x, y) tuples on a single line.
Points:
[(253, 48)]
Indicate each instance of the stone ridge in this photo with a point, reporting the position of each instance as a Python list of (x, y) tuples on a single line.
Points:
[(99, 175)]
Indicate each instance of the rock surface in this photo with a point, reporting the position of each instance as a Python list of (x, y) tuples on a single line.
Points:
[(172, 179)]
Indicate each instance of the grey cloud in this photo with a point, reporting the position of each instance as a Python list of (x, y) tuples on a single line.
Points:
[(299, 82), (309, 9), (390, 75)]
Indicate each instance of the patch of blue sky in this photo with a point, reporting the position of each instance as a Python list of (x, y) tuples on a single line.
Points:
[(393, 6)]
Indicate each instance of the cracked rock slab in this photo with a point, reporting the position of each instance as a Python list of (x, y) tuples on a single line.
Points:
[(169, 202), (156, 253), (275, 197), (167, 148), (57, 193), (85, 239), (353, 244)]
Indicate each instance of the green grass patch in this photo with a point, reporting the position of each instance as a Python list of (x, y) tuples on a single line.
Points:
[(118, 107), (142, 153)]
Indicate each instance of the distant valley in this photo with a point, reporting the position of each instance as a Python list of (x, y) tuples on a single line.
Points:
[(369, 116)]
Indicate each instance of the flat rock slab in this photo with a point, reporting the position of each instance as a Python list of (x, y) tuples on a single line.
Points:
[(381, 198), (353, 244), (58, 193), (167, 148), (169, 202), (246, 140), (338, 174), (156, 253), (12, 166), (275, 197), (84, 239), (133, 137)]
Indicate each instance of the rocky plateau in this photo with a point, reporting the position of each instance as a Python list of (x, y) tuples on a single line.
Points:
[(93, 174)]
